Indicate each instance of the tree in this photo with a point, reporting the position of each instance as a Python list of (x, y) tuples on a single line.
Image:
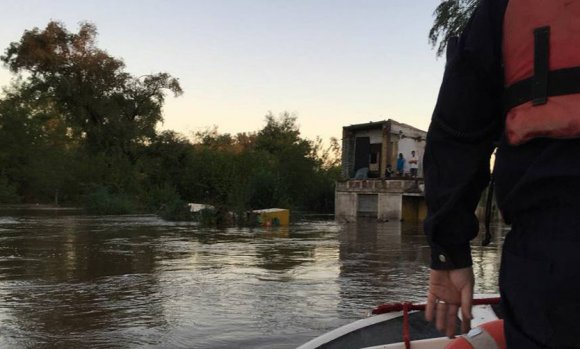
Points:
[(34, 146), (105, 107), (82, 117), (329, 156), (451, 17), (293, 156), (212, 138)]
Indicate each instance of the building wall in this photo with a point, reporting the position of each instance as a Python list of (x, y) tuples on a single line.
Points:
[(391, 138), (405, 140), (382, 206), (349, 151), (375, 135), (405, 146), (367, 205), (414, 208), (346, 206), (390, 206), (397, 128), (395, 200), (348, 142), (386, 152)]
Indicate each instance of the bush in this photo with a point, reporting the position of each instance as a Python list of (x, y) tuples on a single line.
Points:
[(157, 197), (8, 193), (208, 217), (101, 201), (175, 210)]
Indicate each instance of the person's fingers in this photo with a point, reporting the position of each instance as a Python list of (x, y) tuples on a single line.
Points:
[(466, 308), (451, 320), (441, 316), (430, 307)]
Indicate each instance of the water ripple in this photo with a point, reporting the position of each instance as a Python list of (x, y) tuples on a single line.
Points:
[(74, 281)]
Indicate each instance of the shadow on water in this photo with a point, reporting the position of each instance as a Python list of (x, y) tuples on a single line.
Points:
[(74, 281)]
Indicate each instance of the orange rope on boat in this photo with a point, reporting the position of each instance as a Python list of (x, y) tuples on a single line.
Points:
[(392, 307), (406, 333), (407, 307)]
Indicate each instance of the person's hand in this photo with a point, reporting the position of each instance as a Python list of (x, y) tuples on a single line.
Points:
[(449, 290)]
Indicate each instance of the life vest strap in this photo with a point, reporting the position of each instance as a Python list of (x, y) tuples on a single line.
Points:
[(541, 65), (560, 82)]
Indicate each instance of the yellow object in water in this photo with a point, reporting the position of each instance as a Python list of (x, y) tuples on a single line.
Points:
[(273, 217)]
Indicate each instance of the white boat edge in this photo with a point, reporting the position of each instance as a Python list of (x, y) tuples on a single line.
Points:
[(431, 343), (343, 330), (481, 314)]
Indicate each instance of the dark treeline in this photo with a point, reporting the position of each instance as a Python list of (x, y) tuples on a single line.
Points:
[(77, 129)]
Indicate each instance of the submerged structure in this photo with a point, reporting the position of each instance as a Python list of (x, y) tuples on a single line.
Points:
[(373, 185)]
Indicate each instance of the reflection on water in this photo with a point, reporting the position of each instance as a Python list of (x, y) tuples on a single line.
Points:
[(71, 281)]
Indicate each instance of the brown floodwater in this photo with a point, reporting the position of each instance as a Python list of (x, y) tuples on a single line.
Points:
[(76, 281)]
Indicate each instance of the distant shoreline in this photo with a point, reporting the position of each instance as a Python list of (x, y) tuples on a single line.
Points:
[(38, 207)]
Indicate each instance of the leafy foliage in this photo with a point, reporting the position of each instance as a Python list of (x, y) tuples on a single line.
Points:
[(451, 16), (102, 201), (106, 108), (8, 193)]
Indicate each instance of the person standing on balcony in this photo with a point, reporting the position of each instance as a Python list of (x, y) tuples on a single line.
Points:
[(414, 164), (400, 165)]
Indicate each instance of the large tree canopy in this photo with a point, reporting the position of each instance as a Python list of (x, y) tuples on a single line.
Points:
[(105, 106), (451, 16)]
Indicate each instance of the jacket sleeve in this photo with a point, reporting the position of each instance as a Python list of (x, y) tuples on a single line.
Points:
[(466, 122)]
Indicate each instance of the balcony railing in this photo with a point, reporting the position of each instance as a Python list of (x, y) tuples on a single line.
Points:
[(371, 185)]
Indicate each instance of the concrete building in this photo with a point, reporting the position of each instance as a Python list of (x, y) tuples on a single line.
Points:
[(368, 149), (374, 145)]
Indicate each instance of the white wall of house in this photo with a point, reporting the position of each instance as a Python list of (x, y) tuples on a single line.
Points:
[(406, 145)]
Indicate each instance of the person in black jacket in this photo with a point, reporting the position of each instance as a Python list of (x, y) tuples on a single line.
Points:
[(538, 192)]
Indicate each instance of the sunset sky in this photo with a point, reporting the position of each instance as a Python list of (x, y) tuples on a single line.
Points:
[(332, 62)]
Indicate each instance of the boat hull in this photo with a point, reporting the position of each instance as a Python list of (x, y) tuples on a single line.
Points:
[(385, 331)]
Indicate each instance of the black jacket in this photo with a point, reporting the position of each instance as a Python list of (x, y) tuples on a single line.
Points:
[(467, 122)]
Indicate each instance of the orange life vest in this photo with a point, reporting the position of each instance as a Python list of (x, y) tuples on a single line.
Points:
[(541, 54)]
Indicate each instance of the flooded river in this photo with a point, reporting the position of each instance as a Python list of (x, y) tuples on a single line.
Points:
[(74, 281)]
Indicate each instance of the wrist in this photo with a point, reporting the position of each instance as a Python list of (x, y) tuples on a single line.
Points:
[(451, 257)]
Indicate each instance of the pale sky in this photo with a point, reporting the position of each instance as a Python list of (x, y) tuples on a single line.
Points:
[(332, 62)]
